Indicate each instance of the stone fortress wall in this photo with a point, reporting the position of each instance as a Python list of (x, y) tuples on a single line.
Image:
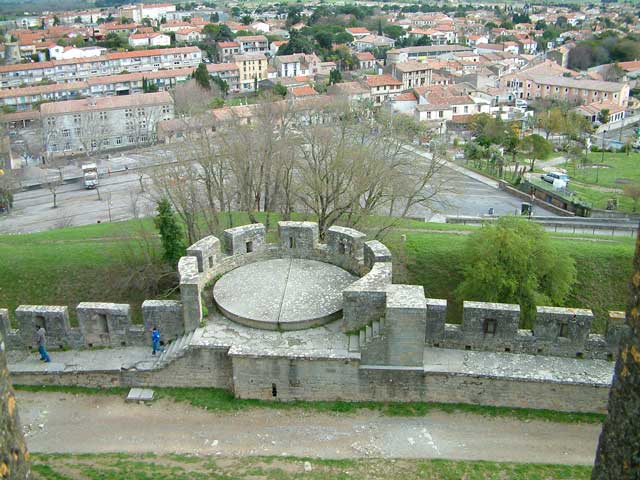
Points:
[(387, 327)]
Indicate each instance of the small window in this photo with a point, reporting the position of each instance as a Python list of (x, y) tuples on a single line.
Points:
[(292, 242), (249, 246), (489, 326), (564, 330)]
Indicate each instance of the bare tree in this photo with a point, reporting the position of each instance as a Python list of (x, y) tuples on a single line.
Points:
[(52, 184), (632, 190), (178, 182), (190, 99)]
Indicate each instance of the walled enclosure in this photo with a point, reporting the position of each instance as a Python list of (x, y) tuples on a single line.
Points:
[(387, 329)]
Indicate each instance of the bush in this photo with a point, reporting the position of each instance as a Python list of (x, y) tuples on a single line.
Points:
[(514, 261)]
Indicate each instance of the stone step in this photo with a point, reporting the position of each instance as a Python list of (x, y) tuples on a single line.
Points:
[(375, 327), (362, 337)]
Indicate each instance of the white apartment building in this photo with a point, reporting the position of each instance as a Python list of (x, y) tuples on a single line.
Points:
[(153, 11), (155, 39), (98, 124), (298, 64), (25, 74)]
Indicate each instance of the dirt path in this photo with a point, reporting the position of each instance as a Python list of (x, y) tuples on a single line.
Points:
[(65, 423)]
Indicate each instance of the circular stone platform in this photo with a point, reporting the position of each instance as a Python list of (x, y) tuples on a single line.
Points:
[(283, 294)]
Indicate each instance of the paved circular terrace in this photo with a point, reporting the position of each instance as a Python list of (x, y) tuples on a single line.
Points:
[(283, 294)]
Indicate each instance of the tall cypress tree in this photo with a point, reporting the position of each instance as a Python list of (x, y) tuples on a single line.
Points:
[(202, 76), (171, 235)]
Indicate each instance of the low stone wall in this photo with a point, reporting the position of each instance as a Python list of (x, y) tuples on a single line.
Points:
[(245, 239), (298, 235), (557, 331), (165, 315), (104, 324), (346, 241), (332, 380)]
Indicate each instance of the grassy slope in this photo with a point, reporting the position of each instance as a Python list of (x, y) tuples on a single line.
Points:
[(621, 167), (604, 270), (219, 400), (64, 267), (192, 467), (71, 265)]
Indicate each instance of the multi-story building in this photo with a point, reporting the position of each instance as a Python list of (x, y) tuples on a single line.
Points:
[(154, 39), (226, 51), (152, 11), (420, 53), (296, 65), (58, 52), (253, 44), (412, 74), (124, 84), (373, 41), (530, 86), (110, 64), (189, 35), (229, 72), (97, 124), (253, 69), (366, 60), (382, 87)]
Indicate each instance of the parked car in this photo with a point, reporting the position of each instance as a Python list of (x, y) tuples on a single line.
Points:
[(553, 176)]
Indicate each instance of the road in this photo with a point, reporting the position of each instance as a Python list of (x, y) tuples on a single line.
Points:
[(66, 423), (466, 194)]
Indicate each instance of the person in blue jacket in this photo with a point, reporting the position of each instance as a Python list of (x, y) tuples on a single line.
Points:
[(155, 341)]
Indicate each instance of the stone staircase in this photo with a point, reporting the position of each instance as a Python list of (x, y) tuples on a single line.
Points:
[(367, 334), (175, 350)]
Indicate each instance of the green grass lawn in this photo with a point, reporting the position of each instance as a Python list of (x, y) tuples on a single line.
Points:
[(88, 263), (118, 466), (436, 261), (622, 167)]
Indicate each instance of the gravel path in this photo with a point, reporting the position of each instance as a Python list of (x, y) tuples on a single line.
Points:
[(66, 423)]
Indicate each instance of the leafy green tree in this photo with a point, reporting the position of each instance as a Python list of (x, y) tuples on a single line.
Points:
[(335, 77), (280, 89), (393, 31), (343, 37), (246, 19), (214, 17), (222, 84), (56, 21), (324, 39), (537, 148), (171, 235), (514, 261), (298, 43), (201, 76)]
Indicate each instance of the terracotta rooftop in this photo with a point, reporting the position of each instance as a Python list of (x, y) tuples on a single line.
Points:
[(381, 80), (303, 91)]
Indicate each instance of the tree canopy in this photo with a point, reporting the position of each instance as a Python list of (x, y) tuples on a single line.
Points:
[(514, 261)]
